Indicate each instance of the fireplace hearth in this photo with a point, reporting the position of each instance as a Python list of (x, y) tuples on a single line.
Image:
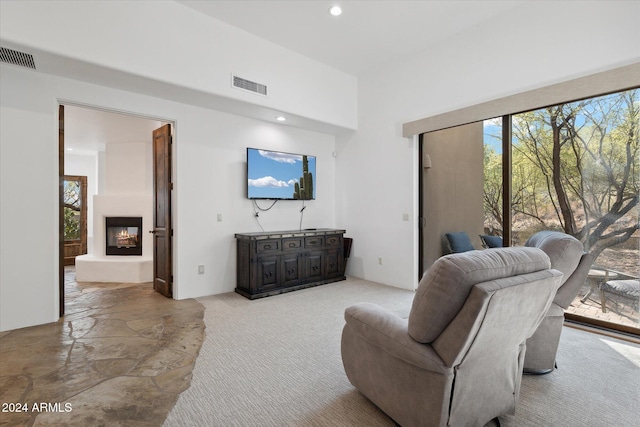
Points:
[(123, 235)]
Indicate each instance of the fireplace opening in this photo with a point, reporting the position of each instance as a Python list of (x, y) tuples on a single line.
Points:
[(123, 235)]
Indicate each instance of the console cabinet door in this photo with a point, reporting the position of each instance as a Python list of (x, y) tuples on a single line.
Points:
[(268, 268), (293, 266), (315, 265), (334, 259), (333, 263)]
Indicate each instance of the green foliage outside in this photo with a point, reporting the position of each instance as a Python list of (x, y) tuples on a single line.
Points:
[(492, 191), (575, 168), (72, 210), (71, 225)]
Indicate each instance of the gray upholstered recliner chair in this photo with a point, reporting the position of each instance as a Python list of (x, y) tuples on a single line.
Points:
[(457, 359), (567, 255)]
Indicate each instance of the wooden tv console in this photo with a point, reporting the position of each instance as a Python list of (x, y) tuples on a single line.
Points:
[(270, 263)]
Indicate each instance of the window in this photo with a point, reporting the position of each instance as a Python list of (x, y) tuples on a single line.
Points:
[(72, 209), (575, 169), (588, 196)]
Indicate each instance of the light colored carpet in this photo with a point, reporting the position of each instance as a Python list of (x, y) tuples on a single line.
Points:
[(276, 361)]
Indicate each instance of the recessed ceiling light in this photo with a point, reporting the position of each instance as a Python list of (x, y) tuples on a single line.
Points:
[(335, 10), (281, 118)]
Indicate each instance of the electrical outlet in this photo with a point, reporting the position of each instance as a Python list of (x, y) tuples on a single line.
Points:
[(380, 260), (201, 269), (405, 217), (219, 217)]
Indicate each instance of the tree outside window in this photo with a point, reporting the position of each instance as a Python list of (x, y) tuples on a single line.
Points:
[(574, 169)]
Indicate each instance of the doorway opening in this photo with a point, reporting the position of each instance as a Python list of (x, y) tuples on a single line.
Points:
[(116, 155)]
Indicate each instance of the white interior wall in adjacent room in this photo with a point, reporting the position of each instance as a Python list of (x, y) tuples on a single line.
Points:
[(128, 190), (209, 177), (129, 167), (376, 166), (85, 164), (102, 178)]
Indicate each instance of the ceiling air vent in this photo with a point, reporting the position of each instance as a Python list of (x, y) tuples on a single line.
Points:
[(15, 57), (240, 83)]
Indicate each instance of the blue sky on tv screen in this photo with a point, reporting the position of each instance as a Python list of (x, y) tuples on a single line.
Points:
[(272, 175)]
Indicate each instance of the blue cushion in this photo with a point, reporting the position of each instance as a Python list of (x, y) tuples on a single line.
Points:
[(491, 241), (459, 242)]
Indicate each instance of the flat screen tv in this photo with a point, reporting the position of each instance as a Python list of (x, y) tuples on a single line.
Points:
[(280, 176)]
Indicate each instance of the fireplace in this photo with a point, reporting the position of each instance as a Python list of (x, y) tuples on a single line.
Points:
[(123, 235)]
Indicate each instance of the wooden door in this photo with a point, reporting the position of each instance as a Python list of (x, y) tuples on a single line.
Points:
[(162, 229), (74, 211)]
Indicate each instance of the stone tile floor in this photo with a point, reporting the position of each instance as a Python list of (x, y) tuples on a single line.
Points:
[(119, 357)]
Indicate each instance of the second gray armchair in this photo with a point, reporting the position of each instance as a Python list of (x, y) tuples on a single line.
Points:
[(567, 255)]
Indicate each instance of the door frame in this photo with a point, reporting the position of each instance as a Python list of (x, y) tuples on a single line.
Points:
[(61, 151)]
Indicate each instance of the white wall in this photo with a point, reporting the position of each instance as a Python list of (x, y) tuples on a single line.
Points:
[(176, 44), (28, 205), (129, 167), (85, 164), (210, 178), (533, 45), (128, 190)]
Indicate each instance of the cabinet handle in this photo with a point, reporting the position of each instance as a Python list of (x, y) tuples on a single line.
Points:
[(313, 242), (268, 274), (267, 246), (290, 271), (292, 245)]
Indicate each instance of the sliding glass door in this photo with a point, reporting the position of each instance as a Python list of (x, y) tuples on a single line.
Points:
[(574, 168)]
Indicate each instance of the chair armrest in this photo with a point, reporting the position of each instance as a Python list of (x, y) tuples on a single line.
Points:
[(569, 289), (388, 331)]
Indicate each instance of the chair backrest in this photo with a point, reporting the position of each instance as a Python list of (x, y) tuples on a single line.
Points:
[(476, 309), (446, 285), (567, 255), (486, 342)]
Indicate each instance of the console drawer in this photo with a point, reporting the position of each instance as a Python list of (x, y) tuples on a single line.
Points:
[(294, 243), (313, 242), (267, 246), (333, 241)]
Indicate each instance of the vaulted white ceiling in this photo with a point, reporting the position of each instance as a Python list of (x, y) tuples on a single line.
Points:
[(366, 35)]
